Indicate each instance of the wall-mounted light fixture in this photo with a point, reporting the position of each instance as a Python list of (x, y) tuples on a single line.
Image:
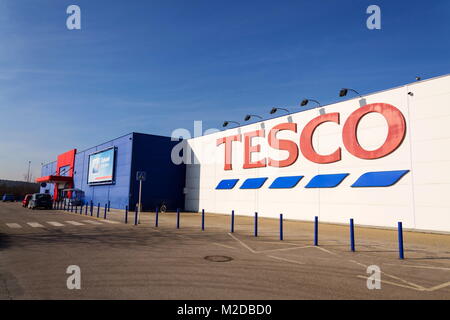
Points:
[(344, 92), (306, 101), (249, 116), (226, 123), (274, 110)]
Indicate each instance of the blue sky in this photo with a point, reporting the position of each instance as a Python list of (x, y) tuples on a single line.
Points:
[(154, 66)]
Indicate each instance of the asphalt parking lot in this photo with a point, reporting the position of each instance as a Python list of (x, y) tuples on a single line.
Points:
[(123, 261)]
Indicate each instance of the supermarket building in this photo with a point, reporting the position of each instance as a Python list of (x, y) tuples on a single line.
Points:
[(379, 159)]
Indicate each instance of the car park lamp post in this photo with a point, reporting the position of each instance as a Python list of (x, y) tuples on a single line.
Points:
[(140, 176)]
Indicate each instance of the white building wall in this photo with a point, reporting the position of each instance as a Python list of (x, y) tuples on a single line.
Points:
[(421, 199)]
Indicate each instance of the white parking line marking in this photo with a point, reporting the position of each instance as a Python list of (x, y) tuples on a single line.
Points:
[(395, 284), (14, 225), (35, 225), (440, 286), (284, 249), (281, 242), (325, 250), (418, 266), (92, 222), (55, 224), (243, 244), (287, 260), (111, 221), (74, 223), (223, 245), (393, 277)]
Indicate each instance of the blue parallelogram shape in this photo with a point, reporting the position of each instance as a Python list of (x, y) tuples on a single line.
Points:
[(253, 183), (227, 184), (379, 179), (326, 180), (285, 182)]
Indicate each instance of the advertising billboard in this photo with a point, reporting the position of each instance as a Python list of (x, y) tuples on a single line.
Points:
[(101, 167)]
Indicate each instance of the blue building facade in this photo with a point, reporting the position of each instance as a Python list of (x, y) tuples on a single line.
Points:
[(133, 152)]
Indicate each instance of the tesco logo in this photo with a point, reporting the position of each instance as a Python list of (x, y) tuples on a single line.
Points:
[(396, 133)]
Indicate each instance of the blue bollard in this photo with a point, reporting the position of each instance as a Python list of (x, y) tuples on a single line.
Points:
[(98, 210), (92, 209), (178, 218), (352, 236), (281, 226), (109, 206), (106, 208), (86, 209), (156, 217), (136, 212), (256, 224), (232, 221), (203, 219), (126, 214), (400, 241), (316, 231)]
